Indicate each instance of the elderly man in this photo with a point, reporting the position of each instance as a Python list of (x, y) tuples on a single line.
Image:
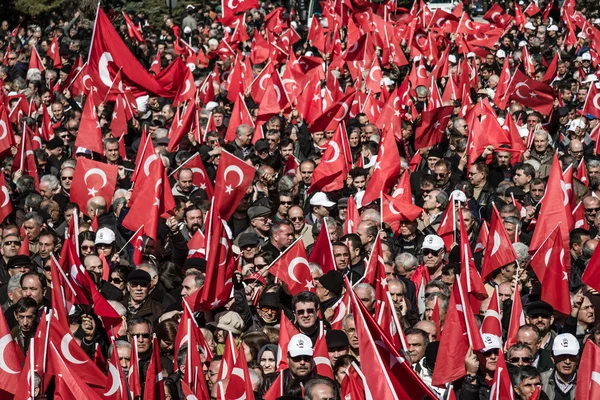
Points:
[(434, 205), (301, 228), (33, 227), (329, 288), (243, 141), (184, 186), (93, 263), (560, 381), (137, 299), (261, 221), (282, 236)]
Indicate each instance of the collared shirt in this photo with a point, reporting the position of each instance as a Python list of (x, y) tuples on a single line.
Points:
[(565, 387)]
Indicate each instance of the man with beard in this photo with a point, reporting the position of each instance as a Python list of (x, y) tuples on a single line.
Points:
[(137, 300), (193, 220)]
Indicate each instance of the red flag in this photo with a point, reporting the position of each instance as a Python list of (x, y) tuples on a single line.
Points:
[(35, 61), (517, 319), (230, 356), (69, 385), (92, 178), (292, 268), (531, 93), (375, 271), (90, 135), (532, 9), (118, 124), (555, 280), (132, 30), (322, 252), (340, 310), (396, 209), (432, 125), (386, 170), (331, 173), (54, 54), (187, 90), (24, 250), (286, 331), (501, 386), (6, 205), (240, 386), (498, 250), (240, 115), (354, 384), (592, 102), (591, 275), (352, 217), (333, 115), (116, 385), (233, 179), (183, 126), (491, 322), (133, 379), (156, 64), (321, 358), (276, 389), (154, 389), (11, 358), (588, 372)]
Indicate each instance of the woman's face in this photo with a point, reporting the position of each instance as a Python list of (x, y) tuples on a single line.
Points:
[(220, 336), (354, 139), (106, 249), (87, 248), (267, 362), (166, 347), (117, 281), (339, 375)]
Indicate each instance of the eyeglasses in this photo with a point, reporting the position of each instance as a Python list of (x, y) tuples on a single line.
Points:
[(269, 310), (64, 178), (139, 284), (526, 360), (12, 243), (47, 268), (89, 248), (286, 203), (307, 311), (590, 210), (296, 219), (440, 175), (118, 281), (11, 58), (301, 358), (536, 316), (490, 352), (259, 266), (142, 335), (427, 252)]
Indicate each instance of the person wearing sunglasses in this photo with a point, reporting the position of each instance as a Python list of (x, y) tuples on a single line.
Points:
[(300, 359), (561, 381), (285, 203), (305, 306), (141, 330), (481, 367), (518, 356), (433, 255), (92, 263), (10, 248), (301, 228), (137, 300), (541, 314), (66, 179)]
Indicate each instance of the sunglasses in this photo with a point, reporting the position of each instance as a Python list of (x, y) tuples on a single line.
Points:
[(589, 210), (47, 268), (439, 175), (296, 218), (287, 203), (301, 358), (12, 243), (427, 252), (307, 311), (90, 248), (65, 178), (142, 335), (118, 281), (526, 360), (490, 352), (259, 266), (139, 284)]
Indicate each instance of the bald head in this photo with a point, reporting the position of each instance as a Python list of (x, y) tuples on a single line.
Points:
[(96, 206), (576, 146)]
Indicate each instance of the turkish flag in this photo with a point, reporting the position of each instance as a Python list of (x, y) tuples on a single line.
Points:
[(517, 319), (47, 126), (72, 355), (592, 102), (276, 390), (240, 385), (233, 7), (446, 229), (183, 126), (200, 177), (286, 331), (431, 127), (133, 378), (267, 77), (498, 250), (132, 30), (108, 55), (25, 159), (352, 217), (35, 61), (156, 64), (375, 271), (591, 275), (187, 90), (7, 138), (531, 93), (321, 357), (53, 53), (333, 115), (555, 209), (491, 321), (151, 198), (92, 178), (501, 387), (240, 115), (396, 209), (474, 289), (6, 205), (496, 15), (504, 81), (68, 385), (330, 175), (116, 384), (230, 356), (89, 134), (11, 359), (588, 371), (386, 170), (322, 252), (118, 124), (292, 268), (234, 177), (154, 389), (354, 385)]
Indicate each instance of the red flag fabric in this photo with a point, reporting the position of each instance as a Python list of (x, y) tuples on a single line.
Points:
[(352, 217), (54, 54), (35, 61), (432, 125), (286, 331), (239, 115), (375, 271), (154, 389), (501, 387), (24, 250), (386, 170), (276, 389), (354, 384), (230, 356), (240, 386), (531, 93), (592, 102), (132, 30), (292, 268), (133, 379), (10, 359), (396, 210), (92, 178), (591, 275), (331, 173), (6, 204), (69, 386), (90, 135), (116, 385), (498, 250), (118, 124), (233, 179), (517, 319), (491, 322), (183, 126), (322, 252), (588, 372), (321, 358)]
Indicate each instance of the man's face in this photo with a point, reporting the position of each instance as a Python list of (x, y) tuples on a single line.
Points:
[(351, 332), (586, 312), (441, 175), (57, 110), (431, 162), (365, 297), (591, 207), (537, 191), (342, 257), (565, 364), (138, 291), (520, 357), (26, 320), (511, 229), (359, 183), (540, 143), (322, 392), (532, 121), (11, 246), (141, 333), (476, 177), (286, 151), (245, 137), (111, 152), (300, 366), (193, 220), (284, 236), (297, 217), (94, 264), (66, 178), (188, 286), (32, 287), (45, 190), (520, 179), (185, 182), (306, 171), (416, 347), (528, 338), (527, 386), (397, 293), (273, 140), (504, 292), (124, 357), (45, 246), (593, 172), (365, 238), (213, 373), (306, 315), (218, 119), (431, 258), (285, 203)]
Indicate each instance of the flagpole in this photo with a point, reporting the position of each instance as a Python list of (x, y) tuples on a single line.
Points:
[(130, 239), (76, 75), (94, 31), (112, 84), (464, 305), (137, 167), (182, 164), (23, 145)]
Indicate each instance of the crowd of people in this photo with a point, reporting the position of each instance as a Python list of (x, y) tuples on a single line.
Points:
[(418, 185)]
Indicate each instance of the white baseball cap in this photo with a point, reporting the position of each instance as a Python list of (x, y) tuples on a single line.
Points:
[(501, 53), (300, 345), (105, 236), (320, 199), (596, 21), (490, 342), (581, 35), (458, 195), (591, 78), (433, 242), (529, 25), (565, 343), (553, 28), (452, 59), (586, 56)]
